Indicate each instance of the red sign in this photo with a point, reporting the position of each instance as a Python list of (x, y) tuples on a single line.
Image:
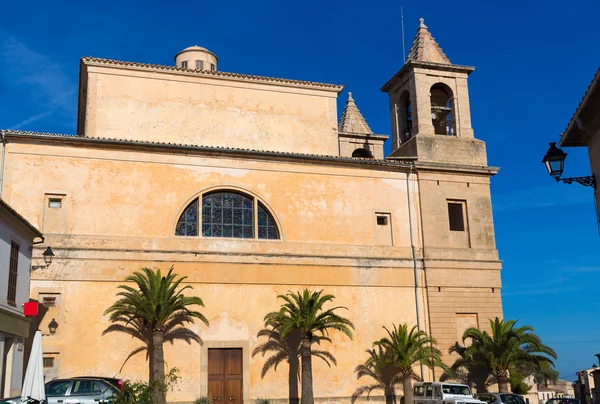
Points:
[(30, 309)]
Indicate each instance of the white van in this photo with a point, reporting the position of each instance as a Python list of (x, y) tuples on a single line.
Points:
[(443, 393)]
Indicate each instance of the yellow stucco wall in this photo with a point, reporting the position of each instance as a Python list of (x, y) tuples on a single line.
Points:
[(196, 108), (120, 206)]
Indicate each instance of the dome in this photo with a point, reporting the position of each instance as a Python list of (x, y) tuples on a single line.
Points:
[(196, 58)]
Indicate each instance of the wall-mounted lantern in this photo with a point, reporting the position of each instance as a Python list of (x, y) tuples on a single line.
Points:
[(555, 164)]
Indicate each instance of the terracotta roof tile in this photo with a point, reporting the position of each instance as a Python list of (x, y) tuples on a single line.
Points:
[(208, 148), (572, 120), (208, 73), (21, 219)]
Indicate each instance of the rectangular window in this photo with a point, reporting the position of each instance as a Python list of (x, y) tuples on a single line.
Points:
[(382, 229), (48, 362), (184, 64), (55, 203), (428, 391), (199, 65), (13, 271), (212, 67), (456, 215)]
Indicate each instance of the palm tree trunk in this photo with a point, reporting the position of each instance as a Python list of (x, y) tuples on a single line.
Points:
[(408, 391), (159, 394), (389, 396), (307, 383), (293, 379), (503, 385)]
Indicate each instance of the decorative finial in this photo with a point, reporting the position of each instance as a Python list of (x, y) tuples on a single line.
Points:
[(350, 96), (422, 23)]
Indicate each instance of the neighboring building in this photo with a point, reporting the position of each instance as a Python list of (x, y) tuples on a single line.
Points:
[(584, 131), (16, 240), (250, 188), (560, 389), (587, 385)]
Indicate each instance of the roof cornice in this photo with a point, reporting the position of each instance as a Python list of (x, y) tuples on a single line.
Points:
[(410, 65), (572, 125), (92, 61), (393, 163), (20, 219)]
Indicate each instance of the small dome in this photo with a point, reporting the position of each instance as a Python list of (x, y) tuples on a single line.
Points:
[(196, 58)]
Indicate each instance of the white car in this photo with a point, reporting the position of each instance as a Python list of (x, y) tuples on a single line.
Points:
[(443, 393), (81, 390)]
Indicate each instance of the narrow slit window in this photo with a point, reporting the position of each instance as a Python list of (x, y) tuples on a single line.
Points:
[(456, 216)]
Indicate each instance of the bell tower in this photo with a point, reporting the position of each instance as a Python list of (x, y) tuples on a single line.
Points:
[(429, 107)]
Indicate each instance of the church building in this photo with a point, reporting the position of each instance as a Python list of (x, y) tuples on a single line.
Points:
[(250, 187)]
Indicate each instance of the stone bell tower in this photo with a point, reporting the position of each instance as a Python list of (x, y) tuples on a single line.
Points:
[(429, 106)]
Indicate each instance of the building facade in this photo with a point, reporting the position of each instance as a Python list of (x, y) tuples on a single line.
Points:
[(250, 187), (17, 236)]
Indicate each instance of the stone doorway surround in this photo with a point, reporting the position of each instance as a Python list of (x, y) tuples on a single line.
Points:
[(245, 346)]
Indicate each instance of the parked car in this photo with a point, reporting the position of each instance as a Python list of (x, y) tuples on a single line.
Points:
[(118, 383), (443, 393), (559, 400), (501, 398), (82, 390)]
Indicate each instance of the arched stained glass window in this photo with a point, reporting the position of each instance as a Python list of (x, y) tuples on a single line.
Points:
[(225, 214), (228, 214), (267, 228), (187, 225)]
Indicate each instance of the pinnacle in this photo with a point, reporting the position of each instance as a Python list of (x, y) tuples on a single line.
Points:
[(424, 47), (352, 120)]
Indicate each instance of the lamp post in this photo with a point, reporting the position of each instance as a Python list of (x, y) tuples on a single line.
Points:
[(48, 256), (555, 164)]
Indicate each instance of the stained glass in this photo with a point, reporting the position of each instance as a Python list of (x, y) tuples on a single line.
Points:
[(227, 215), (187, 225), (267, 228)]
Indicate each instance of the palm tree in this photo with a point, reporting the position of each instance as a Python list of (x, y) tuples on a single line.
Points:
[(288, 350), (466, 371), (380, 368), (508, 347), (155, 311), (304, 313), (407, 349)]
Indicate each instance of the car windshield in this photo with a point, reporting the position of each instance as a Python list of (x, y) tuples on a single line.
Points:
[(457, 390), (511, 399), (563, 401)]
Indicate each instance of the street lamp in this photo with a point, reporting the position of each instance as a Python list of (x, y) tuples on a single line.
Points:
[(48, 256), (555, 164)]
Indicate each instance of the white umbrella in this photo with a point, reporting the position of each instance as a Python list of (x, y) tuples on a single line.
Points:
[(33, 385)]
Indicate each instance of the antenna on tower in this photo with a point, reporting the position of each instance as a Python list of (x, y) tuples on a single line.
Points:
[(403, 47)]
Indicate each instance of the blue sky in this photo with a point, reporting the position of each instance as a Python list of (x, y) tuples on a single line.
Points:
[(534, 61)]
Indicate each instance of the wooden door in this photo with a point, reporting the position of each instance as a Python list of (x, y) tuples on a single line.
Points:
[(225, 376)]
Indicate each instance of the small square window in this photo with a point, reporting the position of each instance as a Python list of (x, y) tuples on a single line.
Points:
[(48, 362), (199, 65), (382, 220), (456, 216), (55, 203), (213, 67), (184, 64)]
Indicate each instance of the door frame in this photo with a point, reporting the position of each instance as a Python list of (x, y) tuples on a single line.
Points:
[(245, 346)]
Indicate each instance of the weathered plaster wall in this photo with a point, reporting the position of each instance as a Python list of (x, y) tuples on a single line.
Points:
[(189, 108), (120, 207)]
